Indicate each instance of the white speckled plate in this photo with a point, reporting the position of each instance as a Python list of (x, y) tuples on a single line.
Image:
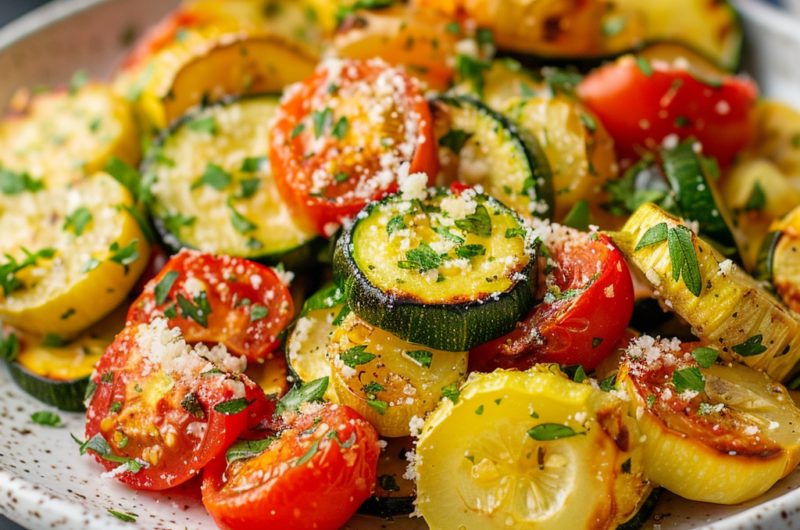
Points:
[(44, 484)]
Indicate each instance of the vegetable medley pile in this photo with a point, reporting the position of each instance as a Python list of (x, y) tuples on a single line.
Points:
[(387, 258)]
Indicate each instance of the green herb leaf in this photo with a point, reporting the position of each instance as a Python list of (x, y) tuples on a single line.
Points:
[(15, 183), (213, 176), (705, 357), (175, 222), (8, 270), (588, 121), (423, 258), (470, 251), (472, 69), (451, 392), (356, 356), (199, 312), (91, 265), (253, 164), (247, 449), (421, 357), (205, 124), (240, 223), (575, 372), (453, 27), (46, 418), (9, 346), (126, 175), (99, 445), (248, 188), (165, 286), (757, 200), (321, 120), (613, 26), (688, 379), (609, 383), (750, 347), (552, 431), (341, 128), (372, 388), (651, 400), (341, 316), (307, 393), (309, 454), (455, 140), (395, 224), (192, 405), (478, 223), (514, 232), (126, 255), (128, 517), (141, 220), (378, 405), (684, 259), (656, 234), (78, 81), (233, 406), (136, 89), (258, 312), (644, 66)]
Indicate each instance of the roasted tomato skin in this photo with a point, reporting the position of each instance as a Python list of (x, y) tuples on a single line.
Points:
[(162, 35), (306, 144), (139, 410), (640, 110), (238, 292), (582, 327), (315, 480)]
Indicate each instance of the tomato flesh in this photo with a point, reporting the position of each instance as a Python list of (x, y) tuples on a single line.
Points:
[(314, 476), (341, 137), (581, 324), (165, 419), (640, 110), (249, 304)]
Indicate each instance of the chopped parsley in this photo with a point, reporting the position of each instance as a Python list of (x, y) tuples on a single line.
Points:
[(164, 286), (478, 223), (46, 418), (198, 311), (421, 357)]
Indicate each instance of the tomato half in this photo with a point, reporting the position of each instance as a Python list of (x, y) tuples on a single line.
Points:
[(341, 137), (313, 476), (585, 311), (640, 110), (167, 406), (162, 35), (218, 299)]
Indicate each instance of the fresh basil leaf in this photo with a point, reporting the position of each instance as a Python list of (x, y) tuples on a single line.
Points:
[(78, 220), (422, 258), (15, 183), (213, 176), (247, 449), (447, 235), (126, 175), (684, 259), (378, 405), (688, 379), (705, 357), (233, 406), (750, 347), (321, 120), (422, 357), (199, 313), (341, 128), (253, 164), (307, 393), (395, 224), (46, 418), (128, 517), (126, 255), (578, 216), (248, 187), (451, 392), (356, 356), (165, 286), (455, 140), (470, 251), (308, 455), (258, 312), (240, 223), (654, 235), (552, 431), (757, 200), (192, 405), (478, 223)]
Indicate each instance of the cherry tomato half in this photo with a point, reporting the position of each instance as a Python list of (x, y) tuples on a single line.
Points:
[(218, 299), (167, 407), (584, 313), (341, 137), (642, 103), (312, 477)]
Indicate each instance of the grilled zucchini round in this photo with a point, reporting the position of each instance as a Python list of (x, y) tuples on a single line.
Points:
[(447, 271)]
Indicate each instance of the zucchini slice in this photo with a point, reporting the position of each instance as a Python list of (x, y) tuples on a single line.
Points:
[(447, 271), (57, 373), (213, 187), (779, 263), (308, 339), (506, 79), (395, 494), (63, 136), (731, 311), (579, 150), (696, 195), (721, 433), (71, 255), (389, 381), (529, 450), (479, 146)]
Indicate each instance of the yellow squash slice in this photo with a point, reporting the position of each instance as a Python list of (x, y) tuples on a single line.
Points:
[(723, 434), (389, 381), (70, 255), (306, 347), (730, 310), (529, 450)]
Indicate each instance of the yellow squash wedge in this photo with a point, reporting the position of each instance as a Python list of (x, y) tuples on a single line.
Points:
[(387, 380), (731, 311), (60, 136), (306, 347), (75, 255), (529, 450), (724, 433)]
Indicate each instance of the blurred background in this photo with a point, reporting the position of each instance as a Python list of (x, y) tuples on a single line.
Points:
[(11, 9)]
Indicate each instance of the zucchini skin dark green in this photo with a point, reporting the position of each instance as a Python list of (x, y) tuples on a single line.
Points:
[(447, 327), (645, 511), (697, 198), (536, 161), (64, 395), (766, 257)]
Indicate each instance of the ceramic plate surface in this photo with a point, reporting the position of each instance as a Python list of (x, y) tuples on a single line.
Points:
[(45, 484)]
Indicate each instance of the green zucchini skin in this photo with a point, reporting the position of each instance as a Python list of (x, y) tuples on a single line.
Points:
[(64, 395), (697, 197), (645, 511), (766, 257), (527, 161), (448, 327), (300, 256)]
